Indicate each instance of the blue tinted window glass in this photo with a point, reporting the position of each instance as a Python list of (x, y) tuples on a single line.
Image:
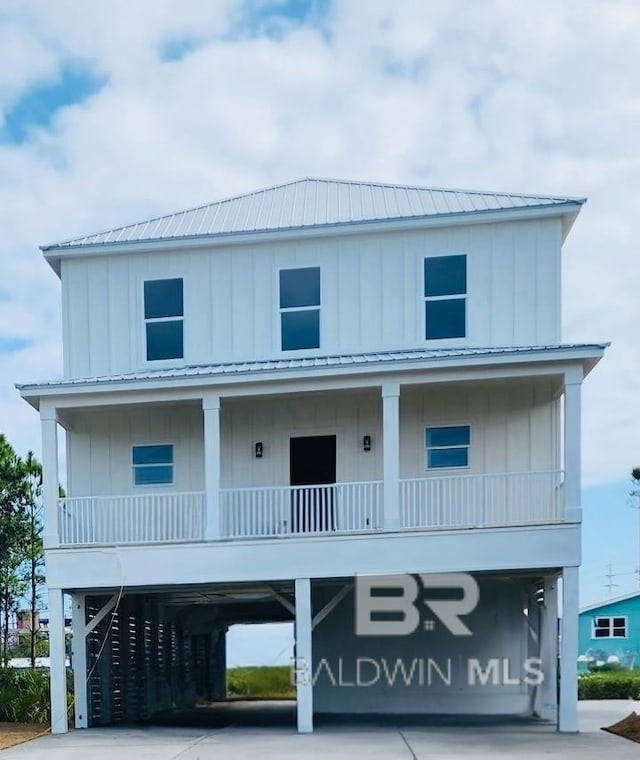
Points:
[(449, 436), (299, 287), (156, 454), (445, 319), (153, 475), (164, 340), (300, 329), (163, 298), (445, 276), (448, 457)]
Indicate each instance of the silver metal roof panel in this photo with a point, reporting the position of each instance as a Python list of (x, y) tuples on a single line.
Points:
[(312, 203)]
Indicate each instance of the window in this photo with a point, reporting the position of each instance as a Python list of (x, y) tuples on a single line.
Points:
[(445, 297), (609, 628), (300, 308), (164, 319), (152, 465), (448, 446)]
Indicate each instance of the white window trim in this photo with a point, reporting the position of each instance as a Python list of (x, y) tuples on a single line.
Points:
[(610, 618), (161, 363), (282, 309), (173, 465), (423, 316), (431, 426)]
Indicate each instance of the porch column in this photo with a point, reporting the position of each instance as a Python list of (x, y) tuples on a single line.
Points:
[(211, 412), (548, 703), (303, 656), (58, 669), (568, 712), (49, 424), (572, 501), (79, 659), (391, 454)]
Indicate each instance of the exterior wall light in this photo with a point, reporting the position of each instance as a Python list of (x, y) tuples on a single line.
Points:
[(259, 450), (366, 443)]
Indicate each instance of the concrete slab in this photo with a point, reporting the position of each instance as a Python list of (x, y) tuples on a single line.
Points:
[(405, 739)]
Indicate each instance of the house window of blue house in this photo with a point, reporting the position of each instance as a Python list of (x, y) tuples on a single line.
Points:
[(609, 628), (448, 446), (152, 465), (164, 319), (300, 308), (445, 297)]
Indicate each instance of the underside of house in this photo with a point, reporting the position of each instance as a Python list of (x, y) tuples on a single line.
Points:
[(157, 652)]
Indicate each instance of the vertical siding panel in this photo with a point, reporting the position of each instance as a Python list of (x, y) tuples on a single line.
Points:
[(525, 285), (502, 286)]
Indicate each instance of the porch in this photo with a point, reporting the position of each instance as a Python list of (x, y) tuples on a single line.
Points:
[(488, 500)]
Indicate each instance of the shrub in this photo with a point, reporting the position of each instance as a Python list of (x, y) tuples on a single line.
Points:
[(24, 696), (609, 685)]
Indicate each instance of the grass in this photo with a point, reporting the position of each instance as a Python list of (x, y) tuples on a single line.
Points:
[(260, 682)]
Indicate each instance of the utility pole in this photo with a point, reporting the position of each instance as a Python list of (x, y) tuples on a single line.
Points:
[(610, 575)]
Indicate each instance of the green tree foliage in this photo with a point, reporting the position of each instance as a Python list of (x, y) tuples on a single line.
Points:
[(21, 551)]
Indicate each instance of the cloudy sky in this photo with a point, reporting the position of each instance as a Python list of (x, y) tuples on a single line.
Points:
[(114, 111)]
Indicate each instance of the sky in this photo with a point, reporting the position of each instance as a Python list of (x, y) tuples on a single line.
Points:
[(113, 111)]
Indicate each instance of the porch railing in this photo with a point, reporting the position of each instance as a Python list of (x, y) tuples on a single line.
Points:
[(296, 510), (137, 519), (477, 501)]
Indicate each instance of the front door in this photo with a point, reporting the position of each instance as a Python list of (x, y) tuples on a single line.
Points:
[(313, 473)]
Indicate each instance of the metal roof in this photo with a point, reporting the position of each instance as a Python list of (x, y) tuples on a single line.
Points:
[(274, 366), (608, 602), (307, 203)]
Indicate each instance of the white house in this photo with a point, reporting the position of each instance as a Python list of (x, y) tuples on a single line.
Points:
[(271, 398)]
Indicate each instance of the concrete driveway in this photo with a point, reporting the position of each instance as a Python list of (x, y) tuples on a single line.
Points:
[(371, 741)]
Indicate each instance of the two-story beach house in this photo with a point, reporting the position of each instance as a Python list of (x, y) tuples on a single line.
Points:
[(271, 398)]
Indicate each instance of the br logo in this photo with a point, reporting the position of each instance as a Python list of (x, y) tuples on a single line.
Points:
[(389, 605)]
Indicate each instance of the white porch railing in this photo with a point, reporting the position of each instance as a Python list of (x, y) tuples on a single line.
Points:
[(295, 510), (137, 519), (477, 501)]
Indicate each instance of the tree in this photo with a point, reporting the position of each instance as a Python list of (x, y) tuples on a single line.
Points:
[(13, 531), (33, 548)]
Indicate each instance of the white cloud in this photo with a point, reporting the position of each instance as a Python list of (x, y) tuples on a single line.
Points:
[(460, 94)]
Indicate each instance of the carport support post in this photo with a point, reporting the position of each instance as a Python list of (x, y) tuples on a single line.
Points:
[(79, 659), (211, 412), (548, 705), (58, 669), (568, 713), (303, 662)]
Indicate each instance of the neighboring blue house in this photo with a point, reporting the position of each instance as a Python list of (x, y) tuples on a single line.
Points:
[(610, 632)]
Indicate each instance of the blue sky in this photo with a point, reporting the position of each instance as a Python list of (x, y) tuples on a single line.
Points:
[(113, 111)]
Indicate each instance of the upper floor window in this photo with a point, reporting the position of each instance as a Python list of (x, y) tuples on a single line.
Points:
[(610, 628), (445, 291), (164, 319), (152, 465), (448, 446), (300, 308)]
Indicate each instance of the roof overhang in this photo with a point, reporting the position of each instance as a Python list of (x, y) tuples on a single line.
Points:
[(359, 371), (567, 212)]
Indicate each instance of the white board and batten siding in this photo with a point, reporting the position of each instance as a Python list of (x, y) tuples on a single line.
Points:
[(371, 295), (513, 429)]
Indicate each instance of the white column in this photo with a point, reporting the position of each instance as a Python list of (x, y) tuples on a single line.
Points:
[(303, 660), (568, 712), (79, 659), (50, 482), (211, 411), (391, 454), (548, 702), (572, 501), (58, 669)]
